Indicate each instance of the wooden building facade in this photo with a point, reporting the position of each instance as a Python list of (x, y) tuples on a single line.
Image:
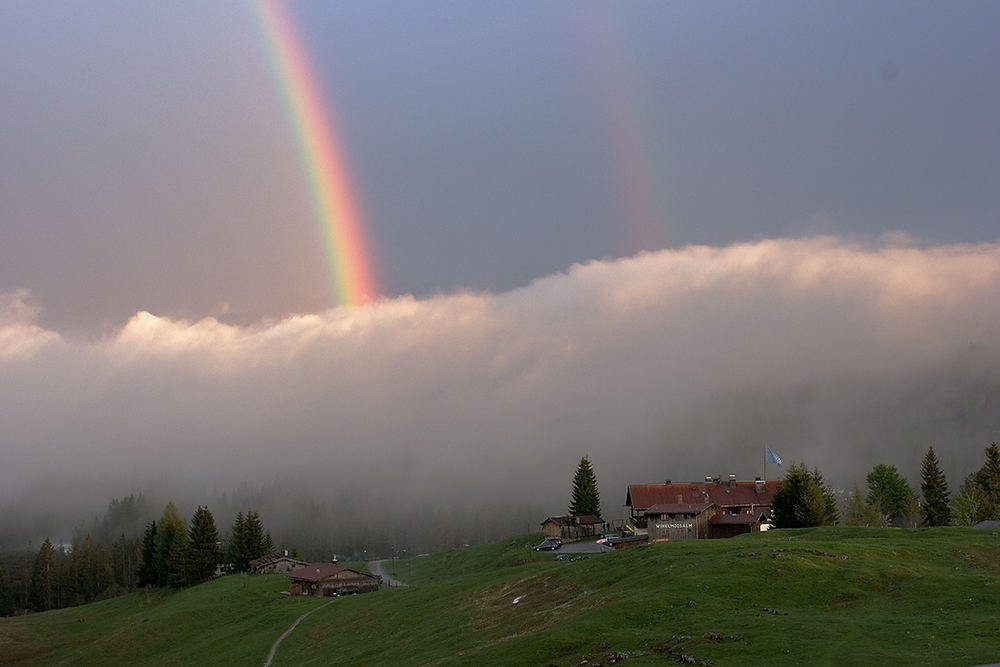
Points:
[(325, 579), (573, 527)]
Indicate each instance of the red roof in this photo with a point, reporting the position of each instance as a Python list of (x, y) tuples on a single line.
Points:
[(675, 508), (723, 494), (319, 571)]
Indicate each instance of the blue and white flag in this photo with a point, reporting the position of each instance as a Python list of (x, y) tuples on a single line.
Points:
[(772, 457)]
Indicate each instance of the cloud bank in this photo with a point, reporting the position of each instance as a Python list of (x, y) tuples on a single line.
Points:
[(673, 364)]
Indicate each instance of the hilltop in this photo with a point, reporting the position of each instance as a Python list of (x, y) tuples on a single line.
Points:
[(810, 596)]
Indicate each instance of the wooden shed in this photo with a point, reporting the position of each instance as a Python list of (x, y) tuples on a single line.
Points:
[(573, 527), (324, 579), (277, 562)]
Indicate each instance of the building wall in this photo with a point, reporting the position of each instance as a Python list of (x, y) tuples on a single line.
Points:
[(662, 527)]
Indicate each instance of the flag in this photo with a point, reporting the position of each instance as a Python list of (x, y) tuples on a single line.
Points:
[(772, 457)]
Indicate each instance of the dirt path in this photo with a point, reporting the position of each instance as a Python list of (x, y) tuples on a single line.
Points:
[(274, 647), (376, 567)]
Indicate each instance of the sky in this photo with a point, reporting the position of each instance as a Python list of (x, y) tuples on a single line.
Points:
[(667, 228)]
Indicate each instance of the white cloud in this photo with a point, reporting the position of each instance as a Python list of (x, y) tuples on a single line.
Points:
[(670, 364)]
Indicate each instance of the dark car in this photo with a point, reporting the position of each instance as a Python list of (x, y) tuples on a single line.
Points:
[(348, 590), (549, 544)]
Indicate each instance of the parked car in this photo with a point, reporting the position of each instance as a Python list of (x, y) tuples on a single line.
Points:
[(607, 539), (348, 590), (549, 544)]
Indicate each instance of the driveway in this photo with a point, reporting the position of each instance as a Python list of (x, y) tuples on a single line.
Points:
[(583, 547), (376, 568)]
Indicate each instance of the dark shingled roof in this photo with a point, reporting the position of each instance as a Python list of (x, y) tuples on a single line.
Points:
[(319, 571), (675, 508), (739, 494), (275, 557)]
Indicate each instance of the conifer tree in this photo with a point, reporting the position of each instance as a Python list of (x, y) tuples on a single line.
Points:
[(147, 568), (236, 553), (6, 594), (44, 579), (804, 500), (171, 546), (203, 545), (988, 479), (586, 498), (935, 510)]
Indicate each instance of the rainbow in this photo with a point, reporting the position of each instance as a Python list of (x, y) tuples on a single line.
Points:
[(352, 276), (618, 98)]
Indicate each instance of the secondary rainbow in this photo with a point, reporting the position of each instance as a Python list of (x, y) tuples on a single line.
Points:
[(348, 257)]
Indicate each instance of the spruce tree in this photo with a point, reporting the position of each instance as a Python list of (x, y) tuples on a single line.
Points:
[(203, 545), (146, 573), (934, 487), (171, 541), (236, 553), (988, 479), (6, 594), (44, 579), (804, 500), (586, 498)]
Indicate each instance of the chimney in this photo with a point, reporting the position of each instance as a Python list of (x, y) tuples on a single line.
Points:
[(708, 478), (732, 481), (717, 480), (759, 485), (334, 559), (286, 552), (668, 481)]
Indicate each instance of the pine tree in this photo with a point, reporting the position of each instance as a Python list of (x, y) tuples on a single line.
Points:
[(6, 594), (236, 553), (935, 511), (203, 545), (146, 573), (804, 500), (44, 579), (988, 479), (586, 498), (254, 541), (171, 546)]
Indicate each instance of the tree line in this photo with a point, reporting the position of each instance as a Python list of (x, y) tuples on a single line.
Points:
[(806, 500), (171, 553)]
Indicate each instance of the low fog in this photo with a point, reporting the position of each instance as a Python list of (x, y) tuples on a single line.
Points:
[(667, 365)]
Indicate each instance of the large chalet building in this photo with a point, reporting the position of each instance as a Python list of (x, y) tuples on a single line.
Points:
[(709, 509)]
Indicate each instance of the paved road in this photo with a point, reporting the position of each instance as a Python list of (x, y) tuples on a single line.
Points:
[(585, 547), (376, 567)]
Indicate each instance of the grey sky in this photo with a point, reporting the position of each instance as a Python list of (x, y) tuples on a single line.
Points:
[(659, 233), (146, 162)]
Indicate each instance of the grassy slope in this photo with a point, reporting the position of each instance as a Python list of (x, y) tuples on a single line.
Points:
[(842, 596)]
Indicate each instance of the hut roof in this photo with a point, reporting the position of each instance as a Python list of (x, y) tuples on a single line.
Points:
[(678, 508), (722, 493), (320, 571)]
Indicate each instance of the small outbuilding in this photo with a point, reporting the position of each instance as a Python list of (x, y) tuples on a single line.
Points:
[(278, 562), (731, 525), (573, 527), (326, 579)]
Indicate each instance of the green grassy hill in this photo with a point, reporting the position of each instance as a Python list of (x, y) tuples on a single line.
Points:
[(836, 596)]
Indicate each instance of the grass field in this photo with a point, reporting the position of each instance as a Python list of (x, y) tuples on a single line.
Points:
[(838, 596)]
